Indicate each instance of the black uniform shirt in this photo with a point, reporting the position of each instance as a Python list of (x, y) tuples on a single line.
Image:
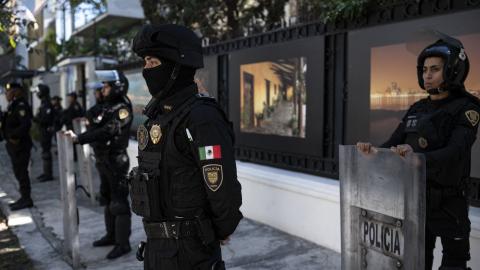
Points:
[(444, 130), (16, 123), (111, 126), (46, 114), (206, 137)]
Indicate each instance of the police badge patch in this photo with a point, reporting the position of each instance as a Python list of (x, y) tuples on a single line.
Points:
[(123, 113), (155, 133), (142, 137), (213, 176), (22, 113), (422, 142), (472, 117)]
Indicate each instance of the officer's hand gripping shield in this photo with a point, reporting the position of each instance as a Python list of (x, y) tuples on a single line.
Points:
[(382, 210)]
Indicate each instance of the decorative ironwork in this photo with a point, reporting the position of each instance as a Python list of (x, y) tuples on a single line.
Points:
[(388, 12), (327, 167)]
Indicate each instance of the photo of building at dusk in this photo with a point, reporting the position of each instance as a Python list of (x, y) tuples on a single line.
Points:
[(273, 97)]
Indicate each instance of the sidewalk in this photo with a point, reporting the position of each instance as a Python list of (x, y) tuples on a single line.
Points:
[(40, 231)]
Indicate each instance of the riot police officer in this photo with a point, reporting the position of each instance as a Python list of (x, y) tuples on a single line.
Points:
[(15, 126), (443, 127), (94, 116), (185, 186), (46, 121), (109, 132)]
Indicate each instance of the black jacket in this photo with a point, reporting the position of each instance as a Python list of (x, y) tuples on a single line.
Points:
[(16, 123)]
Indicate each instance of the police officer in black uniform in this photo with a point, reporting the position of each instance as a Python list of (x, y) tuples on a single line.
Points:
[(74, 110), (46, 121), (15, 124), (94, 117), (109, 132), (443, 127), (185, 186)]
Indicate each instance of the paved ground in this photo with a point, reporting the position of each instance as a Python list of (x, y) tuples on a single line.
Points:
[(40, 232)]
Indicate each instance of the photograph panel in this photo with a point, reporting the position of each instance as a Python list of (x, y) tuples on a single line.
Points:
[(273, 97)]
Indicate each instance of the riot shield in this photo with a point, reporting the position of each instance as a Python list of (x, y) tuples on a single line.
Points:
[(382, 209), (84, 161), (66, 174)]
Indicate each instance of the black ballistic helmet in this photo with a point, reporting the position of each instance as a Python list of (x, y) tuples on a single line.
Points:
[(13, 86), (116, 79), (43, 90), (456, 64), (170, 41)]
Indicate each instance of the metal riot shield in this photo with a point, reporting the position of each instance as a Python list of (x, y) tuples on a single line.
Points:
[(382, 210), (84, 161), (71, 244)]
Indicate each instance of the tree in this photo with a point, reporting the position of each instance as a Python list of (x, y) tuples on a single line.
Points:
[(334, 10), (217, 19)]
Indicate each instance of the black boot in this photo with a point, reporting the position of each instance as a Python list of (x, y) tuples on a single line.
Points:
[(118, 250), (23, 202), (47, 168), (41, 176), (104, 241)]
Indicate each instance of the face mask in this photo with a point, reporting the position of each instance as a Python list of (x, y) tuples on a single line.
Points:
[(157, 77)]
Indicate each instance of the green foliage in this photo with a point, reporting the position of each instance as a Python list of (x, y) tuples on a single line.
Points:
[(334, 10), (217, 19)]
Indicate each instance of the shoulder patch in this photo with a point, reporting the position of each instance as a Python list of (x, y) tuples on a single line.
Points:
[(213, 176), (123, 113), (472, 116)]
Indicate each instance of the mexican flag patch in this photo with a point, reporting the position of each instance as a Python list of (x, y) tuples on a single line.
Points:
[(210, 152)]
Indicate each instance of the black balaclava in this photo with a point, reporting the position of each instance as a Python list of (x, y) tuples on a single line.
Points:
[(158, 77)]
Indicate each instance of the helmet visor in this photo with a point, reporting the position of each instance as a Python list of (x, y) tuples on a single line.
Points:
[(438, 50), (102, 76)]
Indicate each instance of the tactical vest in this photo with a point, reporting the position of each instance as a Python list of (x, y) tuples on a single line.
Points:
[(428, 131), (119, 142), (167, 184)]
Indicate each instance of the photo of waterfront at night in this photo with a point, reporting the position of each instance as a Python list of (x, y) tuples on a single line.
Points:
[(273, 97), (394, 84)]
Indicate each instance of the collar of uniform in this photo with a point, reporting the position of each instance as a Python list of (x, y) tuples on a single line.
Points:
[(442, 101), (174, 101)]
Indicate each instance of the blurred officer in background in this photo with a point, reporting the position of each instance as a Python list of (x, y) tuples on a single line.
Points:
[(15, 125)]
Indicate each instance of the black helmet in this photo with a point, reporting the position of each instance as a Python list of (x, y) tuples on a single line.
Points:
[(13, 86), (42, 90), (116, 79), (456, 64), (170, 41)]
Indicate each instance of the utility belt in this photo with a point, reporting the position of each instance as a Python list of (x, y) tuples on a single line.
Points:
[(179, 229), (171, 229)]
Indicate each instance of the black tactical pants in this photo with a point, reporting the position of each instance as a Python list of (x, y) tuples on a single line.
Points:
[(456, 251), (20, 157), (46, 143), (113, 169), (182, 254)]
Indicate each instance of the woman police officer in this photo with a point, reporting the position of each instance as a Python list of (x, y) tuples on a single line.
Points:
[(443, 127)]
